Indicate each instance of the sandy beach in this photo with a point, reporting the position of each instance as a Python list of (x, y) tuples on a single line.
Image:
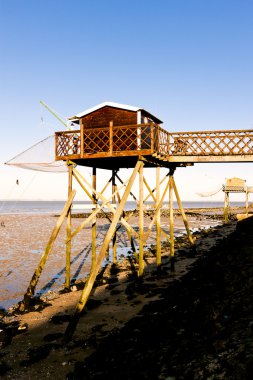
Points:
[(154, 321)]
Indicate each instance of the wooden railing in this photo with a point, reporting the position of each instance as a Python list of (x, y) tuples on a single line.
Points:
[(148, 139), (211, 143)]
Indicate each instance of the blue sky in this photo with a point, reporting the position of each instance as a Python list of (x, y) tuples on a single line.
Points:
[(187, 61)]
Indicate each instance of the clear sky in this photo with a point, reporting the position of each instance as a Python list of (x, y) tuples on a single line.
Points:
[(189, 62)]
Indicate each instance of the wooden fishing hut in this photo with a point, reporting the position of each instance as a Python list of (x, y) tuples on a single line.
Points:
[(113, 136), (235, 185)]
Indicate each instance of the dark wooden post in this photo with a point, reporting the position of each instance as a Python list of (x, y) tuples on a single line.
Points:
[(111, 137)]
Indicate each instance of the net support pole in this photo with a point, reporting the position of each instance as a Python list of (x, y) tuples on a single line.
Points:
[(68, 244), (90, 282)]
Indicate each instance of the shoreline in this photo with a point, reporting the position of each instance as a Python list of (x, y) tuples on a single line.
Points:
[(115, 302)]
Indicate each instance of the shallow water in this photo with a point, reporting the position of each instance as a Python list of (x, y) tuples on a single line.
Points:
[(24, 238)]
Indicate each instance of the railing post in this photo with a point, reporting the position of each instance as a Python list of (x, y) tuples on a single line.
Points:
[(152, 137), (111, 137), (55, 144), (82, 140)]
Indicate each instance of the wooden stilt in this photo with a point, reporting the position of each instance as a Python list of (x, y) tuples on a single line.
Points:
[(191, 239), (147, 233), (247, 203), (114, 244), (89, 284), (106, 202), (141, 214), (35, 278), (172, 248), (158, 219), (68, 244), (152, 191), (126, 217), (94, 227), (226, 206)]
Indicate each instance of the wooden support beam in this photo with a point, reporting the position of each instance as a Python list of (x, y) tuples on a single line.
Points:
[(90, 282), (226, 206), (149, 189), (172, 248), (190, 237), (152, 191), (111, 137), (147, 233), (134, 197), (247, 203), (106, 202), (35, 278), (158, 219), (114, 238), (94, 221), (68, 244), (127, 217), (141, 224)]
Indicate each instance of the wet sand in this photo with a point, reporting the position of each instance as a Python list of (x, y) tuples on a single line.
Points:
[(136, 329), (24, 238)]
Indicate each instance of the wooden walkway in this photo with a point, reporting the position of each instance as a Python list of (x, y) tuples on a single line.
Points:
[(125, 143)]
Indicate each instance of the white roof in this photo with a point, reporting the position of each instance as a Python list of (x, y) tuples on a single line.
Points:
[(110, 104)]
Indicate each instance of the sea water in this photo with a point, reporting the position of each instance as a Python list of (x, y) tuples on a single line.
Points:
[(51, 207)]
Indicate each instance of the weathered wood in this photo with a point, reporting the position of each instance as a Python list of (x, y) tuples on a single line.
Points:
[(105, 203), (94, 222), (35, 278), (191, 239), (247, 203), (158, 219), (68, 244), (147, 233), (201, 146), (114, 238), (134, 197), (141, 223), (226, 207), (172, 248), (153, 190), (111, 137), (89, 284), (151, 193)]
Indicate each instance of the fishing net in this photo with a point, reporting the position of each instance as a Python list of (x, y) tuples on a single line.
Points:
[(40, 157), (210, 193)]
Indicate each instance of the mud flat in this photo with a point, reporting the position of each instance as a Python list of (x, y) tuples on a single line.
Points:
[(181, 325)]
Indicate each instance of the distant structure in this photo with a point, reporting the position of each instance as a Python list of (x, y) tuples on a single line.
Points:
[(235, 185)]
